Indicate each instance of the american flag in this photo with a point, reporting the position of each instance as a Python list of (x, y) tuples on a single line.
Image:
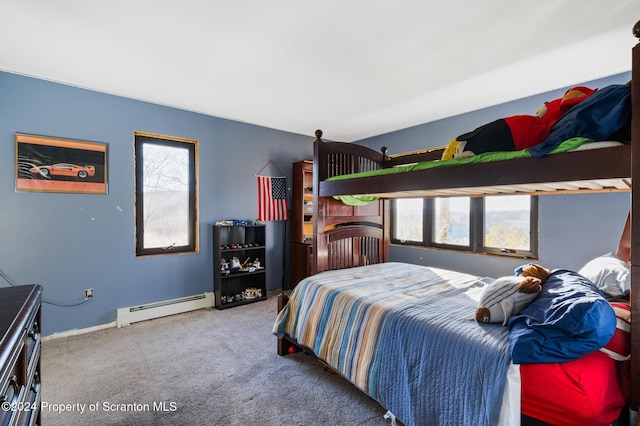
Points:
[(272, 198)]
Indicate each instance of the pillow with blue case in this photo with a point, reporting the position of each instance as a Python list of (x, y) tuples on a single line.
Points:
[(570, 318)]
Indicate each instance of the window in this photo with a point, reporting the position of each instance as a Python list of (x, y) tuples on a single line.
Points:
[(502, 225), (407, 220), (451, 221), (166, 194)]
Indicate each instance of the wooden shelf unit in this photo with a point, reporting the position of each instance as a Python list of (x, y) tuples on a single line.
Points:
[(244, 242)]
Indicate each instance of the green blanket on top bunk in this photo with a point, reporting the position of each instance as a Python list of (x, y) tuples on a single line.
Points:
[(358, 200)]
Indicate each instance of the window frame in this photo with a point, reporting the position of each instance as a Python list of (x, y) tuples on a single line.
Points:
[(532, 253), (140, 139), (476, 230)]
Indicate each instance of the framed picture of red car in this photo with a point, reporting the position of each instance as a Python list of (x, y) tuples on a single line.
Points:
[(47, 164)]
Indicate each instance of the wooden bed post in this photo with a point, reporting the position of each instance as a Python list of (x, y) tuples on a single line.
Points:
[(385, 157), (283, 344), (319, 173), (635, 220)]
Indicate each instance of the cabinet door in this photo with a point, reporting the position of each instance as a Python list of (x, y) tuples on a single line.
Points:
[(301, 262), (302, 202)]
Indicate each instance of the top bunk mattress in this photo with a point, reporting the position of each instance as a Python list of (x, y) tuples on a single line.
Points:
[(571, 167)]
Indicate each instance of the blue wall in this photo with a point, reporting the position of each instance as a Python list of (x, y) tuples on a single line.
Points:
[(572, 228), (69, 242)]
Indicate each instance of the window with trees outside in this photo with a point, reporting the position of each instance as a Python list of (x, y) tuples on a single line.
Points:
[(166, 185), (502, 225)]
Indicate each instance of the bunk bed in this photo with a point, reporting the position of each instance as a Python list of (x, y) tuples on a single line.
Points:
[(351, 243)]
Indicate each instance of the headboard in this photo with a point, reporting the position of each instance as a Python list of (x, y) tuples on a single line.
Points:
[(346, 236)]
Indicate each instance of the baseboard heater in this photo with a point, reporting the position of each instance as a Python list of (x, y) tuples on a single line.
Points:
[(127, 316)]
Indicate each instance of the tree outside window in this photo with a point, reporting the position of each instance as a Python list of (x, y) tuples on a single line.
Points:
[(503, 225), (166, 195)]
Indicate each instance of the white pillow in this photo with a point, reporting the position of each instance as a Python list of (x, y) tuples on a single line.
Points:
[(609, 273)]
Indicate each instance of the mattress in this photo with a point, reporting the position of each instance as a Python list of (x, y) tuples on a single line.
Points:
[(404, 334)]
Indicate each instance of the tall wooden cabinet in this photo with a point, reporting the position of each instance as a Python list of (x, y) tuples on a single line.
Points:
[(302, 199), (302, 221), (20, 320)]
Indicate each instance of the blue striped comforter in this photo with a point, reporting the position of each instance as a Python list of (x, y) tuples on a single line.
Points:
[(405, 335)]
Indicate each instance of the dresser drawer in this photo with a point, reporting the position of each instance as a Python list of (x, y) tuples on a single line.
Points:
[(20, 316), (30, 412), (9, 399), (32, 341)]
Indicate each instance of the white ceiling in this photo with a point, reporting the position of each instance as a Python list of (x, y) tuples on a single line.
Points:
[(354, 68)]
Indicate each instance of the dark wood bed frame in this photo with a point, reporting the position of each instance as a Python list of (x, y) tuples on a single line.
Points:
[(347, 236)]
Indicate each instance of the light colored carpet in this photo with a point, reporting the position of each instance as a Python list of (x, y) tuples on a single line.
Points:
[(205, 367)]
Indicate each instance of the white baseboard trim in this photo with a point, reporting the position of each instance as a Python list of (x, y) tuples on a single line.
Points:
[(77, 331), (163, 308)]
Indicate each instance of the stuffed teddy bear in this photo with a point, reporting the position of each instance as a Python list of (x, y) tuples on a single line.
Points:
[(507, 296), (533, 270), (517, 132)]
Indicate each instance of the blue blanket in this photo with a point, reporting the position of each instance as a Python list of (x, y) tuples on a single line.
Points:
[(596, 118), (405, 335), (570, 318)]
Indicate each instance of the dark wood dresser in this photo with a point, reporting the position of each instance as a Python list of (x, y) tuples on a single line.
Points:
[(20, 319)]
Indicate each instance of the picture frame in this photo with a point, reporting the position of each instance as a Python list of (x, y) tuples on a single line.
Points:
[(49, 164)]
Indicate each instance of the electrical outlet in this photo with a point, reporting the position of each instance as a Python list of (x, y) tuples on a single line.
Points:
[(88, 294)]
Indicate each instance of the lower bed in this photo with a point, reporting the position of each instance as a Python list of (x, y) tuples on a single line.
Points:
[(405, 335)]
